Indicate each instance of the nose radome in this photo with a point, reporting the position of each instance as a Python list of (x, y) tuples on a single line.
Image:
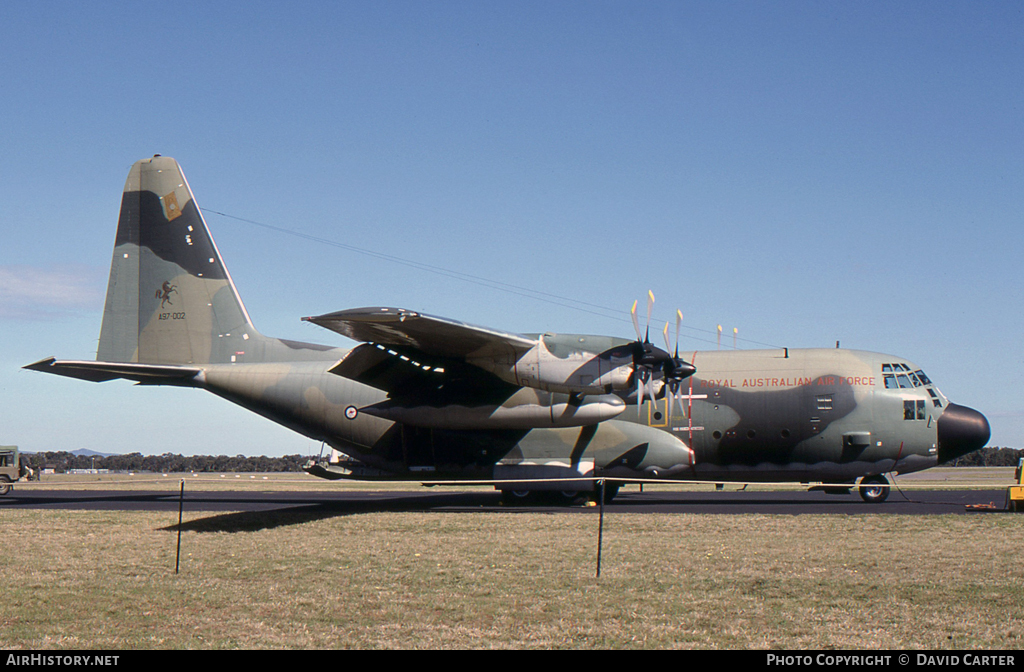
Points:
[(961, 430)]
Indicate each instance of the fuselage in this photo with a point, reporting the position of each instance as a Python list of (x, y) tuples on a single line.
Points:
[(827, 415)]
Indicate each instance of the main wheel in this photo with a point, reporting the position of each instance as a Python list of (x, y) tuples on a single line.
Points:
[(568, 497), (516, 497), (877, 490)]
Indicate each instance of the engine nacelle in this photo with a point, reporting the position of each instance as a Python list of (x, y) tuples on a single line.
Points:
[(512, 416), (579, 372)]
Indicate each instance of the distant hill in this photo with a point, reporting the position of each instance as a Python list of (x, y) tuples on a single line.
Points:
[(81, 452), (85, 452)]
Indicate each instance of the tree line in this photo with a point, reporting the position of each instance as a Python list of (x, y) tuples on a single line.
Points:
[(62, 461), (989, 457)]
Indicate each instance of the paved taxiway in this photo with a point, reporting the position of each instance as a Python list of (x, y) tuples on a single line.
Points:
[(913, 502)]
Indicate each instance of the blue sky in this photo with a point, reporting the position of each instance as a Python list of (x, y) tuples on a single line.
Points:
[(805, 172)]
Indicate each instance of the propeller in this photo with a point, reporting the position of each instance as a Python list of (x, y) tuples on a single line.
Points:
[(647, 358), (675, 370)]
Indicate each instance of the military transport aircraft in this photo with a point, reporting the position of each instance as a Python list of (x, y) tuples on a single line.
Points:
[(431, 399)]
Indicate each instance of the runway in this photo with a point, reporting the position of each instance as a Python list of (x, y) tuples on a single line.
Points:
[(909, 502)]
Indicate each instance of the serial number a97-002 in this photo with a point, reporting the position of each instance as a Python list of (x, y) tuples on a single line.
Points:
[(172, 316)]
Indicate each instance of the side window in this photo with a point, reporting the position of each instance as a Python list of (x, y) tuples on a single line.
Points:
[(913, 409), (890, 381)]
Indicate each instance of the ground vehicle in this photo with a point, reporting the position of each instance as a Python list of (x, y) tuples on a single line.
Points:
[(11, 468), (1015, 493)]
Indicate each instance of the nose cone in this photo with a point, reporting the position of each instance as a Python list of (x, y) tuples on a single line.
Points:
[(961, 430)]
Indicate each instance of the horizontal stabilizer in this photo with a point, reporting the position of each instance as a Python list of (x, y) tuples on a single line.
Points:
[(98, 372)]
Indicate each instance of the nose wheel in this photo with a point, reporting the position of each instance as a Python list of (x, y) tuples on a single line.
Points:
[(874, 489)]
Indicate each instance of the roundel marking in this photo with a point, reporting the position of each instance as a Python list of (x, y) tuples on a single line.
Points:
[(351, 412)]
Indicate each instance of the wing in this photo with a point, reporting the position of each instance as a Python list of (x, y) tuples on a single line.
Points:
[(412, 356), (433, 336)]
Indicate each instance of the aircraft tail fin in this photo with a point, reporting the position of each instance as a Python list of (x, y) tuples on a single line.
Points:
[(170, 299)]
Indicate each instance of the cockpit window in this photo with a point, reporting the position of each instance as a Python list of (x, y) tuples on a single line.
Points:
[(894, 378), (898, 379)]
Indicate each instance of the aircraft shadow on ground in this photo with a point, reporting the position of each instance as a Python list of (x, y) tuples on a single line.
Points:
[(252, 521)]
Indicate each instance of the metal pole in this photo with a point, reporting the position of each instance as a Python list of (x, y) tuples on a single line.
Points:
[(600, 524), (181, 505)]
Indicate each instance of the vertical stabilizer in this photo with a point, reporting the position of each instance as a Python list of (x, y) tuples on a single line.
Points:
[(170, 299)]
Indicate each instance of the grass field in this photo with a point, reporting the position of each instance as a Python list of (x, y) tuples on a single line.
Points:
[(476, 580)]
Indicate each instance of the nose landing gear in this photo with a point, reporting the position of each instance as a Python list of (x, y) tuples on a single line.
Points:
[(874, 489)]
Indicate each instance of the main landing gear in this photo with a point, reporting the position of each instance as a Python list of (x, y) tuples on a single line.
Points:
[(874, 489), (556, 497)]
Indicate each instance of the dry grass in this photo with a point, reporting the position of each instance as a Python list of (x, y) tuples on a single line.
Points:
[(473, 580)]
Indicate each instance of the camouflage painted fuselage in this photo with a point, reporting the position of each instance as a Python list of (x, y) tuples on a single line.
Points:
[(770, 415), (444, 400)]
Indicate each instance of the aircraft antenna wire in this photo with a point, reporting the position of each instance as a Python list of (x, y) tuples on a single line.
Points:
[(526, 292)]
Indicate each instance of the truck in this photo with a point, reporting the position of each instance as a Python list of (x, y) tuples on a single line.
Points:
[(11, 468), (1015, 493)]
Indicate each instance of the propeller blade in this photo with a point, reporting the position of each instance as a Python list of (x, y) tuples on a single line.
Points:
[(678, 398), (650, 307), (636, 322), (665, 333), (679, 321), (668, 403)]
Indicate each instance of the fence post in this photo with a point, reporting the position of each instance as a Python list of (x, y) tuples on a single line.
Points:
[(600, 523), (181, 505)]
